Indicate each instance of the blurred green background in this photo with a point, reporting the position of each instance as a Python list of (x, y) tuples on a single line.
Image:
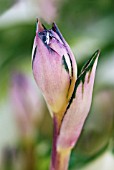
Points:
[(87, 26)]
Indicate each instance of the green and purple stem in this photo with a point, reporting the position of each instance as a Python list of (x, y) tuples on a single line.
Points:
[(59, 160)]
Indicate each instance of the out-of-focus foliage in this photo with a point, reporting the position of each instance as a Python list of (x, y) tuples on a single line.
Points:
[(87, 26), (15, 50), (5, 4)]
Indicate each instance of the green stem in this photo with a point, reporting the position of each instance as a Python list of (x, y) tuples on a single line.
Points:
[(30, 158), (60, 159), (28, 149)]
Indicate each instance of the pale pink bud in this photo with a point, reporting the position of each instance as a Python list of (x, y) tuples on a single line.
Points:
[(54, 67), (79, 106), (27, 103)]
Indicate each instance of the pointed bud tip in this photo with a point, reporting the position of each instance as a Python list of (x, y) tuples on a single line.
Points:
[(95, 57), (39, 26), (37, 20), (97, 53), (54, 27)]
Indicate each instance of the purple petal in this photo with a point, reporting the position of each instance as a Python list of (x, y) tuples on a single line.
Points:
[(79, 106)]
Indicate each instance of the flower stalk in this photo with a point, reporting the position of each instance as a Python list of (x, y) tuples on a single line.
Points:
[(60, 159)]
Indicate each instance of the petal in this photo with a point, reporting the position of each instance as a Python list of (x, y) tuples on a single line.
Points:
[(72, 58), (79, 106), (39, 28), (68, 49)]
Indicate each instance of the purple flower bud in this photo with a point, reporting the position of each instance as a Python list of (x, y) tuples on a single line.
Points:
[(54, 67), (79, 106), (27, 103)]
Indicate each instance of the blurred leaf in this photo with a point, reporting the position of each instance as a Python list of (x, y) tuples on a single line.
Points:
[(5, 4)]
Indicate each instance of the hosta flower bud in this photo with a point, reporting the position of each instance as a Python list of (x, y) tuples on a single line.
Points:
[(79, 106), (27, 104), (54, 67)]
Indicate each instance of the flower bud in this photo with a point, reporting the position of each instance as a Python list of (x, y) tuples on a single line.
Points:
[(79, 106), (27, 104), (54, 68)]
